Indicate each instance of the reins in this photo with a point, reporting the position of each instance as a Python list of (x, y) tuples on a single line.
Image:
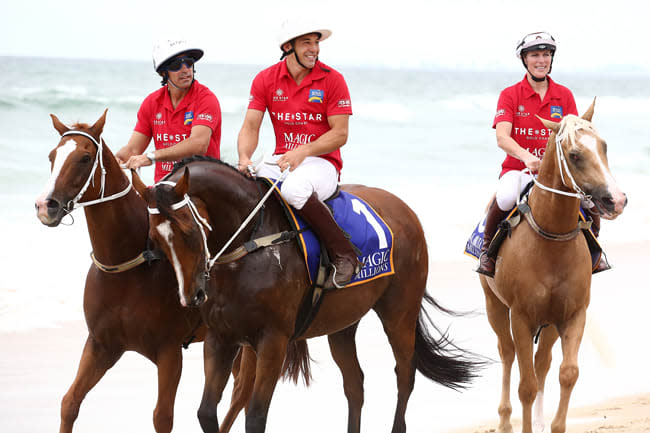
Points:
[(241, 251), (524, 208)]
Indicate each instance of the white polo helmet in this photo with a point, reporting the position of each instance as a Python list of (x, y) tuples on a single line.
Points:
[(165, 49), (536, 41), (292, 28)]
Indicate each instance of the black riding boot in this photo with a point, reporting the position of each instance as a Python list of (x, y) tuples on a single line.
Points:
[(494, 217), (342, 255)]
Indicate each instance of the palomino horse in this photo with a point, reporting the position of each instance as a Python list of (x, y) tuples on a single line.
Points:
[(135, 308), (255, 300), (543, 272)]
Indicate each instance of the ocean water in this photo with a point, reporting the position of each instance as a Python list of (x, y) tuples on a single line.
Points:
[(424, 135)]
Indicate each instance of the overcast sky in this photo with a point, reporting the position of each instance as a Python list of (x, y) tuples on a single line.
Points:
[(592, 35)]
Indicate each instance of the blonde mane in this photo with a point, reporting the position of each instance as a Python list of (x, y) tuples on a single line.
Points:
[(570, 125)]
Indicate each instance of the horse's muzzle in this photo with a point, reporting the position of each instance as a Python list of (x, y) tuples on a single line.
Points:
[(49, 211)]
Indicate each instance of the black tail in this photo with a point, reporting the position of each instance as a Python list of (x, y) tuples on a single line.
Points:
[(442, 361), (297, 362)]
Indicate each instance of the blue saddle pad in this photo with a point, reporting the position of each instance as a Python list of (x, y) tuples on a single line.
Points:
[(368, 231)]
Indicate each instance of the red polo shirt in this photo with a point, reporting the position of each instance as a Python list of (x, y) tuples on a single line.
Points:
[(519, 104), (158, 119), (299, 112)]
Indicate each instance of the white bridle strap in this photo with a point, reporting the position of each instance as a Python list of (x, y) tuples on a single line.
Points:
[(201, 221), (564, 167), (99, 160)]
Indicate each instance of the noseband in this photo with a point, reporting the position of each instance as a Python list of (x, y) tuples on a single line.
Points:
[(74, 203)]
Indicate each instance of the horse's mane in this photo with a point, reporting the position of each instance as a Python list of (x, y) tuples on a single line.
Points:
[(185, 161), (570, 125)]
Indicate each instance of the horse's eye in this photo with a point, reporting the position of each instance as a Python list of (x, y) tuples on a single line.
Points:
[(575, 157), (85, 159)]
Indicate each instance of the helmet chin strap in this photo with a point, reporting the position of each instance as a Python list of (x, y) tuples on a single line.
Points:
[(539, 80), (293, 51)]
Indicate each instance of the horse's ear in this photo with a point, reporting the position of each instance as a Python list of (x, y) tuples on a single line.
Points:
[(98, 127), (553, 126), (590, 111), (58, 125), (140, 187), (183, 184)]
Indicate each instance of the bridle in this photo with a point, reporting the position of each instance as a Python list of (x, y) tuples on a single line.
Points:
[(203, 224), (99, 160), (524, 208), (564, 167)]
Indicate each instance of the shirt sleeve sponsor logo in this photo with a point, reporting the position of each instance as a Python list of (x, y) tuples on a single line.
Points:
[(251, 98), (316, 95), (343, 103), (189, 117), (500, 112), (556, 112), (204, 116)]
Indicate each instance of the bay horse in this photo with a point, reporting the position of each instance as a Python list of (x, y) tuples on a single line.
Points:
[(543, 271), (126, 307), (254, 300)]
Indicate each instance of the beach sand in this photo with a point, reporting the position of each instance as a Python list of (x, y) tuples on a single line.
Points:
[(612, 393)]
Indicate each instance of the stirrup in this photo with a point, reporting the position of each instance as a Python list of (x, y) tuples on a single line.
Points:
[(355, 271)]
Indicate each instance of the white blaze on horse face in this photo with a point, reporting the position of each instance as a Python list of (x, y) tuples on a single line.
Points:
[(166, 232), (591, 143), (62, 154)]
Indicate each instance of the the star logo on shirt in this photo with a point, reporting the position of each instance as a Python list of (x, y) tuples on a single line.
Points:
[(279, 92), (158, 116)]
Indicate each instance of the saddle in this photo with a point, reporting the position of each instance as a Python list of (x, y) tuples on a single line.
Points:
[(505, 227)]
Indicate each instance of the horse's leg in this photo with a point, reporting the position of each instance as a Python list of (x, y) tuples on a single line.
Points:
[(499, 317), (399, 326), (571, 337), (523, 338), (170, 365), (543, 357), (243, 370), (344, 351), (95, 361), (271, 351), (217, 364)]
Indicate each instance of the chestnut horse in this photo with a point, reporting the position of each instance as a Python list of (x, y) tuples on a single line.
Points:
[(543, 271), (130, 307), (255, 300)]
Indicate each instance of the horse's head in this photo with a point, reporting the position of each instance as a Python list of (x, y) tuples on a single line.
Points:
[(72, 168), (176, 226), (582, 157)]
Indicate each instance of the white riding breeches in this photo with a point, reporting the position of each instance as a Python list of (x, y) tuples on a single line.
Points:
[(314, 174), (511, 184)]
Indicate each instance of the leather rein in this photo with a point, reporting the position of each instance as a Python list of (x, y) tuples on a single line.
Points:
[(525, 209)]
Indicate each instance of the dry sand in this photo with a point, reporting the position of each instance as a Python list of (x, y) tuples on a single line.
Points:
[(38, 366)]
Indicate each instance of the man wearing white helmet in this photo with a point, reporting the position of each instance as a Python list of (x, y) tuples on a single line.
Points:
[(520, 133), (183, 117), (309, 105)]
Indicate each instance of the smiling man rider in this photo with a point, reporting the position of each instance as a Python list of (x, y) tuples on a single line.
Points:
[(183, 117), (309, 105)]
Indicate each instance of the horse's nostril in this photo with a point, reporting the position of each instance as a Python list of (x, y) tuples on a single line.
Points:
[(53, 204)]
